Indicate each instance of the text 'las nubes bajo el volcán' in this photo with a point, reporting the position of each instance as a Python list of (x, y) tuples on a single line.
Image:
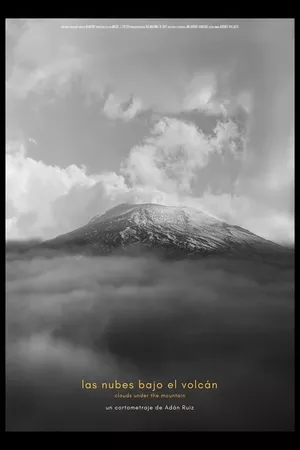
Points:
[(149, 385)]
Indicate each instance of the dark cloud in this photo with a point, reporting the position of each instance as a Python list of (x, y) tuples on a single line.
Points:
[(118, 318)]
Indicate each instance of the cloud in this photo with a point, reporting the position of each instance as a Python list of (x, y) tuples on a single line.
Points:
[(281, 175), (115, 108), (43, 201), (228, 82), (262, 219), (43, 60), (102, 319), (170, 159), (228, 136), (32, 140), (201, 95), (47, 58), (32, 187), (244, 100)]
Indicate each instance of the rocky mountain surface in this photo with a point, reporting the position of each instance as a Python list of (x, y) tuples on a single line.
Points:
[(172, 231)]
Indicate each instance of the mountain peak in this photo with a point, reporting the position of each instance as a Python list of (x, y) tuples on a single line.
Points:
[(114, 211), (157, 213), (173, 230)]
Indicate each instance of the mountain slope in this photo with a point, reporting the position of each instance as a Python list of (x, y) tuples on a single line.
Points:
[(173, 231)]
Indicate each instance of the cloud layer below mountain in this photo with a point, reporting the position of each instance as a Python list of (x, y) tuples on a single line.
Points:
[(101, 319)]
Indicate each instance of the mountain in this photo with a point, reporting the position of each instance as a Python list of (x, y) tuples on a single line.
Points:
[(169, 230)]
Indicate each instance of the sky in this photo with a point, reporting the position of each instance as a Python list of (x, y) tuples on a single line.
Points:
[(164, 111)]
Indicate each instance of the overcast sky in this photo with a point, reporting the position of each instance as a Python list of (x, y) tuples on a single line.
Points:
[(193, 116)]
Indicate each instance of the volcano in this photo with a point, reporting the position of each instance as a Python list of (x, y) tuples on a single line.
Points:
[(173, 231)]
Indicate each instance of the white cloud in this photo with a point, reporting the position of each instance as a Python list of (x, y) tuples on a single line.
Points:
[(32, 187), (55, 75), (204, 94), (116, 108), (175, 74), (244, 100), (245, 211), (44, 58), (171, 157), (282, 172), (45, 200), (11, 228), (228, 137), (32, 140), (201, 95)]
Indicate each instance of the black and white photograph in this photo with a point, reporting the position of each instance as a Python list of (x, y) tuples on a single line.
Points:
[(149, 225)]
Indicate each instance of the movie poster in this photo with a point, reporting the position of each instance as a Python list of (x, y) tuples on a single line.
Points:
[(149, 225)]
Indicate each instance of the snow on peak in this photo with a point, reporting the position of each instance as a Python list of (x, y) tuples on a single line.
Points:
[(159, 214), (170, 227), (113, 212)]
